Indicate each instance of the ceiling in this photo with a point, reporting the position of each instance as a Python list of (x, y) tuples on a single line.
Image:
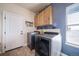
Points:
[(35, 7)]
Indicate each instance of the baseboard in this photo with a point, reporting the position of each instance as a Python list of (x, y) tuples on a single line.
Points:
[(62, 54), (25, 45)]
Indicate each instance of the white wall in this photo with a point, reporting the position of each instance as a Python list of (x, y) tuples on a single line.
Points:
[(29, 16)]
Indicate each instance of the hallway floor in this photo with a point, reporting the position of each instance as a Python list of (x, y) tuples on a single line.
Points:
[(22, 51)]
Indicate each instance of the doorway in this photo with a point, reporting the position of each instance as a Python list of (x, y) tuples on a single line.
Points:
[(12, 30)]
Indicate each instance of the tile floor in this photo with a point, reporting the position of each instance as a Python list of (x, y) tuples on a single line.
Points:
[(21, 51)]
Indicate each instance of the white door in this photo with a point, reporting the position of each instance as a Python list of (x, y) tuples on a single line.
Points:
[(13, 31)]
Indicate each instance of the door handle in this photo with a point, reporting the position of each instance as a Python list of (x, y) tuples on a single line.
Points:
[(21, 33), (5, 47), (4, 32)]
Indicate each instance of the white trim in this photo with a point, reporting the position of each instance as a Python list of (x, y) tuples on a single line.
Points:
[(73, 45), (62, 54), (72, 6)]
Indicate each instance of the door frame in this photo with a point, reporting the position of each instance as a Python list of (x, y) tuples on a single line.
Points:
[(4, 30), (2, 12)]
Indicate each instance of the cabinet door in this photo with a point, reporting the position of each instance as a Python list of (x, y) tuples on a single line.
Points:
[(45, 17), (35, 20), (48, 15), (39, 19), (42, 18)]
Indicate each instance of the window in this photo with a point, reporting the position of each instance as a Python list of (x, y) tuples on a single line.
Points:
[(72, 33)]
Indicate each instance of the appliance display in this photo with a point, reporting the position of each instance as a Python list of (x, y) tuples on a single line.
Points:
[(48, 44)]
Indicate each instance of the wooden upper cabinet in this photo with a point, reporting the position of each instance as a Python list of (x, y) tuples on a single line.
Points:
[(36, 20), (45, 17), (51, 14), (48, 14), (40, 19)]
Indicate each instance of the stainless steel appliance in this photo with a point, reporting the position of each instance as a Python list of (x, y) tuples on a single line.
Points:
[(31, 39)]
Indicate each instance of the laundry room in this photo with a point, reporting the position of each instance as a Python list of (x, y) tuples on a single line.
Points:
[(39, 29)]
